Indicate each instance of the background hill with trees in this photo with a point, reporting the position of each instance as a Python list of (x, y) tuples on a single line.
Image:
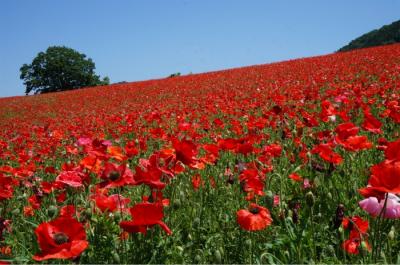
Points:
[(387, 34)]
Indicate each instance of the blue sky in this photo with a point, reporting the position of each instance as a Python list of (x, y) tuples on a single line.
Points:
[(139, 40)]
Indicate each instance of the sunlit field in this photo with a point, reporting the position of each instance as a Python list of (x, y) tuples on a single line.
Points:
[(290, 162)]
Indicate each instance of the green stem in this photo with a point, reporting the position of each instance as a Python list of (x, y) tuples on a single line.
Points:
[(124, 257), (377, 239), (313, 233)]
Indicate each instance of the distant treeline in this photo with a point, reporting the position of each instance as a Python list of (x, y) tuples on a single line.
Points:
[(387, 34)]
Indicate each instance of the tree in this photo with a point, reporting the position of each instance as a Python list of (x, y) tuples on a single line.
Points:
[(58, 69)]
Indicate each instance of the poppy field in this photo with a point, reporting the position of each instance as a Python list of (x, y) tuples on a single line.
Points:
[(289, 162)]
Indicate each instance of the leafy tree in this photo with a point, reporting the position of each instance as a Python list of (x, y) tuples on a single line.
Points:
[(387, 34), (58, 69)]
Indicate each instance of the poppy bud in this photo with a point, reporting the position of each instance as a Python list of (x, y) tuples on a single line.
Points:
[(177, 203), (217, 257), (16, 212), (391, 234), (52, 211), (289, 213), (287, 254), (295, 216), (289, 218), (310, 199), (269, 199), (341, 231), (180, 249), (338, 218), (317, 166), (196, 221), (282, 215), (23, 196), (330, 251), (88, 213), (116, 258), (221, 251), (230, 179), (363, 247)]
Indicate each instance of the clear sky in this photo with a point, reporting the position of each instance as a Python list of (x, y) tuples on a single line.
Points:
[(137, 40)]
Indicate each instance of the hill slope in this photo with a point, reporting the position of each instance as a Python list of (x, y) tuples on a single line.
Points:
[(387, 34), (258, 164)]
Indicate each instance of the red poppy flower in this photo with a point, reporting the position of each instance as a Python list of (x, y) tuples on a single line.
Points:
[(145, 215), (61, 197), (185, 152), (252, 182), (91, 163), (227, 144), (274, 150), (358, 233), (35, 201), (327, 110), (345, 130), (71, 178), (371, 123), (362, 225), (309, 119), (149, 173), (110, 203), (325, 152), (156, 197), (212, 153), (296, 177), (197, 182), (130, 149), (116, 153), (98, 148), (244, 148), (68, 211), (385, 178), (116, 176), (62, 238), (6, 188), (255, 218), (357, 142), (392, 151)]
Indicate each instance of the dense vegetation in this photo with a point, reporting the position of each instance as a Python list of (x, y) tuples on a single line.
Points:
[(387, 34), (291, 162)]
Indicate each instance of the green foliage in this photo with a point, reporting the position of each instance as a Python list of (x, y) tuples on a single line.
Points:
[(58, 69), (387, 34), (175, 74)]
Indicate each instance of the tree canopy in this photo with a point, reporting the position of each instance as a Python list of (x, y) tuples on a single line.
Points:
[(387, 34), (58, 69)]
